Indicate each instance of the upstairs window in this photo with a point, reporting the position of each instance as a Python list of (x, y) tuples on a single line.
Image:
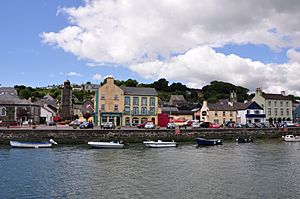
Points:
[(135, 101), (127, 101), (2, 111), (152, 101), (144, 101)]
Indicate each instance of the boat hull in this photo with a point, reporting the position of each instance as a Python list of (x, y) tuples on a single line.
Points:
[(209, 142), (17, 144), (159, 144), (291, 138), (106, 145), (244, 140)]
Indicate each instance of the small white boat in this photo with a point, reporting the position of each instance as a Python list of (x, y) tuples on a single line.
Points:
[(159, 144), (107, 145), (291, 138), (17, 144)]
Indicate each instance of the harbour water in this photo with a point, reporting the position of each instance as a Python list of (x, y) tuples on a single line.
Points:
[(263, 169)]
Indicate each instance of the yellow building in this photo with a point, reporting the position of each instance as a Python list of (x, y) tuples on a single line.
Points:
[(217, 113), (125, 106)]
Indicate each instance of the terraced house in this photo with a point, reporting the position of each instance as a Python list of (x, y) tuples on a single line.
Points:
[(277, 107), (125, 106)]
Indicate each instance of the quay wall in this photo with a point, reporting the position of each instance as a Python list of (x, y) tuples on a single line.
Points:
[(77, 136)]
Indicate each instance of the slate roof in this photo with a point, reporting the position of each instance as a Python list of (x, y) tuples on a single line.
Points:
[(11, 100), (220, 107), (8, 91), (275, 96), (139, 91)]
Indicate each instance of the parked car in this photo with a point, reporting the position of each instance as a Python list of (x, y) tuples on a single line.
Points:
[(196, 124), (205, 124), (86, 125), (75, 123), (170, 125), (51, 123), (214, 126), (142, 125), (107, 125), (149, 125)]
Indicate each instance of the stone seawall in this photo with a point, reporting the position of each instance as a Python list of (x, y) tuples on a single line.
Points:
[(76, 136)]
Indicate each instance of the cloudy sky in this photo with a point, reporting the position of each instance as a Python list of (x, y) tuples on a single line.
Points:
[(249, 43)]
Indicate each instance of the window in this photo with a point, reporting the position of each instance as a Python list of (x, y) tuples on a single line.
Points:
[(102, 107), (275, 103), (127, 110), (287, 111), (230, 113), (269, 103), (224, 113), (103, 96), (3, 111), (269, 111), (116, 97), (216, 113), (256, 112), (144, 111), (152, 111), (281, 111), (275, 110), (135, 101), (127, 121), (116, 108), (287, 104), (281, 103), (152, 101), (248, 111), (144, 101), (127, 101), (135, 110)]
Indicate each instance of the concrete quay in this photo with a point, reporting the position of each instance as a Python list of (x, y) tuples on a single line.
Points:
[(80, 136)]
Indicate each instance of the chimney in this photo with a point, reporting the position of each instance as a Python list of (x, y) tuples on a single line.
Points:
[(283, 93), (258, 92), (109, 80)]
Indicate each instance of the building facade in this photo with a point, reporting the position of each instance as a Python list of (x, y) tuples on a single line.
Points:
[(218, 113), (277, 107), (249, 112), (125, 106)]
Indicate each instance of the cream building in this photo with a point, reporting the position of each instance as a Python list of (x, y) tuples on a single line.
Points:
[(277, 107)]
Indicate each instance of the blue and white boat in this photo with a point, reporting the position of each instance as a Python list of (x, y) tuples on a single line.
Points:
[(208, 142), (17, 144), (107, 145), (159, 144)]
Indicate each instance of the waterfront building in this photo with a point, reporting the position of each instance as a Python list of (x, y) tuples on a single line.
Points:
[(125, 106), (296, 114), (15, 111), (249, 112), (277, 107), (218, 113)]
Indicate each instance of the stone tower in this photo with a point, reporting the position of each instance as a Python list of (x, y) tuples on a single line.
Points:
[(66, 106)]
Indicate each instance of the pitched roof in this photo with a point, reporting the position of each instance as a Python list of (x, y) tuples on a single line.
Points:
[(139, 91), (220, 107), (247, 105), (275, 96)]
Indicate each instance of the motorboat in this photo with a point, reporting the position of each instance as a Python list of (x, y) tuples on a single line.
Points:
[(17, 144), (159, 144), (244, 140), (207, 142), (291, 138), (107, 145)]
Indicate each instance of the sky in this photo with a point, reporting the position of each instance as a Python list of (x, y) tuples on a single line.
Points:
[(247, 43)]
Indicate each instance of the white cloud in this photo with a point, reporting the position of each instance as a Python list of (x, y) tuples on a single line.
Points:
[(135, 32), (201, 65), (73, 74), (97, 77)]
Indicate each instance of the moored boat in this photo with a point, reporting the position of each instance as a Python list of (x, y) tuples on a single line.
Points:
[(244, 140), (17, 144), (291, 138), (107, 145), (159, 144), (208, 142)]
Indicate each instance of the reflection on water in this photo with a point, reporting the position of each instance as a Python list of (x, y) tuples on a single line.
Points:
[(263, 169)]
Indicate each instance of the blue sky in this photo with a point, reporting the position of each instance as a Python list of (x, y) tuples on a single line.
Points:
[(45, 42)]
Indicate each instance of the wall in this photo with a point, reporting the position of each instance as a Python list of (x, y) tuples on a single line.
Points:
[(73, 136)]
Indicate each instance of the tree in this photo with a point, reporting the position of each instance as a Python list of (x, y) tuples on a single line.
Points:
[(131, 83), (161, 85)]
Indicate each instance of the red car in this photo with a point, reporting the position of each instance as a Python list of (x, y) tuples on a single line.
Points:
[(214, 126), (142, 125)]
